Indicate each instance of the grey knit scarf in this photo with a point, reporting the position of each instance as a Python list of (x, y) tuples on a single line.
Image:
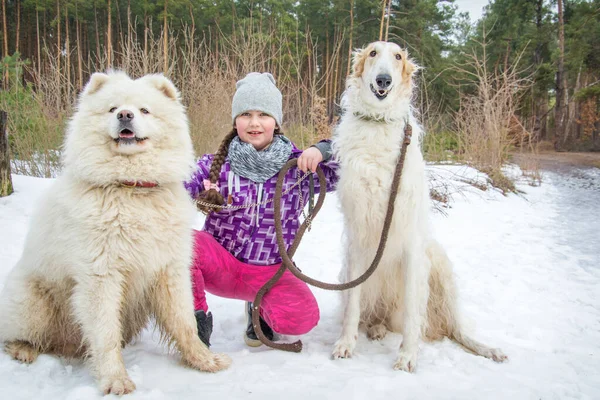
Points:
[(259, 166)]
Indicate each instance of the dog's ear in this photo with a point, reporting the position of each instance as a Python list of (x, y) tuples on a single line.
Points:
[(163, 84), (97, 80), (358, 61), (409, 68)]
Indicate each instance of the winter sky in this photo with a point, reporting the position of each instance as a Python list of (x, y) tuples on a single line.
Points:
[(473, 7)]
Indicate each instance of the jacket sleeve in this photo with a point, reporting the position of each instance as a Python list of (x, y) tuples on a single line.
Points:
[(329, 167), (195, 184)]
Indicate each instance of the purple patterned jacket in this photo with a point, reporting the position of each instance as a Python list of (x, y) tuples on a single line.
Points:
[(249, 236)]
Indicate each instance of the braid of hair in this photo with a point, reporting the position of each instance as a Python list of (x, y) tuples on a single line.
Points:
[(214, 196)]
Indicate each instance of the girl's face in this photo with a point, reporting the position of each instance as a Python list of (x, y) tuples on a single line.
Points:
[(256, 128)]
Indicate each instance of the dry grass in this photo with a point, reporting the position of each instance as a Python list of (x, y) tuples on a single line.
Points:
[(484, 122), (205, 72)]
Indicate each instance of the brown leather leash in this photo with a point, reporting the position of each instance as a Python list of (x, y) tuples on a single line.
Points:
[(287, 255)]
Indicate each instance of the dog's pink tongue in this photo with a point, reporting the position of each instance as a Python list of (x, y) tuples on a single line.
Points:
[(126, 135)]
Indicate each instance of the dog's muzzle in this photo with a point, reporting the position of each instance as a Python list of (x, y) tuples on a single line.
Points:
[(127, 135), (384, 85), (380, 93)]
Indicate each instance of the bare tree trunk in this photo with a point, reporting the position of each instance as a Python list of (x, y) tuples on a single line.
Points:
[(129, 38), (309, 56), (193, 19), (4, 29), (79, 61), (39, 48), (6, 187), (58, 43), (58, 53), (18, 25), (109, 37), (119, 34), (165, 40), (336, 75), (97, 34), (145, 63), (540, 103), (573, 110), (5, 47), (559, 108), (387, 22), (45, 24), (68, 51), (383, 7), (327, 79), (350, 38)]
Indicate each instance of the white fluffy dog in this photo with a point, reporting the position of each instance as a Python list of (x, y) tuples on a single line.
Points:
[(412, 291), (111, 243)]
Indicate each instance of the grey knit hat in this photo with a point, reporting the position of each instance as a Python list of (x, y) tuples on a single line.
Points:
[(257, 92)]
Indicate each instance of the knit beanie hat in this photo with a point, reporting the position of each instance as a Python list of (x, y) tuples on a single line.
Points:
[(257, 92)]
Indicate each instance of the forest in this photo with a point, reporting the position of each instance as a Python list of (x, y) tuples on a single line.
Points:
[(526, 75)]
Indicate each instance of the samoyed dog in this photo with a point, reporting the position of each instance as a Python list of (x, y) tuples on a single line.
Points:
[(111, 242)]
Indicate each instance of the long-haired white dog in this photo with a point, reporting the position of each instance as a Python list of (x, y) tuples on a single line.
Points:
[(412, 291), (111, 243)]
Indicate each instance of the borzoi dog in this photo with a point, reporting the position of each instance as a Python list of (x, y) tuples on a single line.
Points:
[(412, 291)]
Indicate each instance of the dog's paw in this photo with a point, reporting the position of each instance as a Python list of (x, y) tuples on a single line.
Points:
[(117, 385), (376, 332), (21, 351), (212, 363), (497, 355), (406, 361), (343, 348)]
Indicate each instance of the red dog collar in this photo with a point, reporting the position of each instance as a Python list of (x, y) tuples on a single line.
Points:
[(143, 184)]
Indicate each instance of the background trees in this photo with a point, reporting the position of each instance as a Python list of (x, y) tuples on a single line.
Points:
[(307, 45)]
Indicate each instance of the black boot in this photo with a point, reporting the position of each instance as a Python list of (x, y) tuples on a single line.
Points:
[(250, 336), (205, 326)]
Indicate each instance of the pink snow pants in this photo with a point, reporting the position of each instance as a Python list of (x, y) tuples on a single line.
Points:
[(289, 307)]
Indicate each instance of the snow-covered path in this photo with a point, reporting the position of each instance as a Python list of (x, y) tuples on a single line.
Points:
[(528, 273)]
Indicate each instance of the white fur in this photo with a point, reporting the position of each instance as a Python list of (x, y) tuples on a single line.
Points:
[(100, 258), (412, 291)]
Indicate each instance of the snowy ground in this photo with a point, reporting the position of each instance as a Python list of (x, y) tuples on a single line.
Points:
[(528, 273)]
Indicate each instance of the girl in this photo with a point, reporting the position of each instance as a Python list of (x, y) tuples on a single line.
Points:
[(236, 252)]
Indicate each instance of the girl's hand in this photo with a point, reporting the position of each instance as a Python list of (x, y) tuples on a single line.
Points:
[(309, 159)]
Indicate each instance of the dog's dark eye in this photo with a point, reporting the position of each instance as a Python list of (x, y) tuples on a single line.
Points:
[(144, 111), (398, 57), (112, 110), (373, 53)]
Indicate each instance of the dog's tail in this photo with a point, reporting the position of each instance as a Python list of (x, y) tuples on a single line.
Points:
[(442, 313)]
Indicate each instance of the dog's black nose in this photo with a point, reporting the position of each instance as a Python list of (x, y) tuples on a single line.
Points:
[(125, 116), (383, 81)]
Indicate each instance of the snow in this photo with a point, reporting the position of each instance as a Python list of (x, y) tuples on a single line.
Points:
[(527, 270)]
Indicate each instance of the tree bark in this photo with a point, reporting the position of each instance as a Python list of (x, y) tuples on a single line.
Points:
[(560, 113), (68, 54), (18, 26), (4, 29), (165, 41), (79, 56), (58, 54), (39, 48), (6, 186), (336, 75), (387, 22), (97, 33), (383, 7), (350, 38), (109, 37), (5, 43), (327, 73), (145, 62)]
